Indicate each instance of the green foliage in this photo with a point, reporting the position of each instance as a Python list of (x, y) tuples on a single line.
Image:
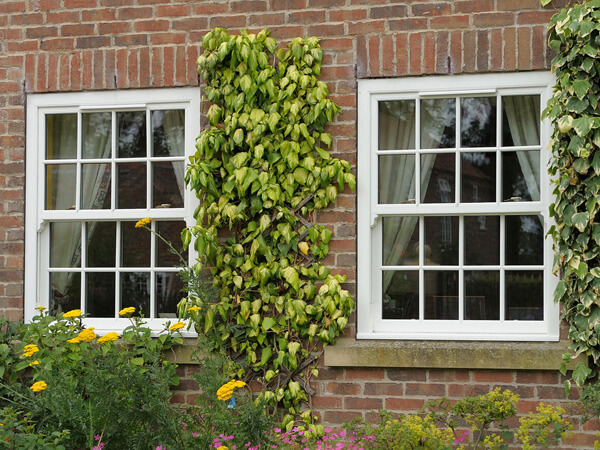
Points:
[(260, 168), (18, 431), (575, 113), (91, 386)]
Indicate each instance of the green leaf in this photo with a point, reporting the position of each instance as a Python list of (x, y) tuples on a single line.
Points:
[(290, 274), (268, 323), (559, 292), (265, 355), (583, 125), (580, 220), (581, 373), (576, 105), (137, 361), (581, 88)]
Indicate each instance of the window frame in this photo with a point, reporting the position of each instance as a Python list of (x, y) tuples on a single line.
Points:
[(370, 325), (37, 218)]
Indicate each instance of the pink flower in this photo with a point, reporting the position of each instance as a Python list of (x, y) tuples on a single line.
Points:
[(97, 437)]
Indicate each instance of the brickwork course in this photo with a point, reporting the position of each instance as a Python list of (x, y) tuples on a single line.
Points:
[(84, 45)]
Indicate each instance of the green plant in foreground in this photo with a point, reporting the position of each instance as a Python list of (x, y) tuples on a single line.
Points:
[(574, 110), (261, 168)]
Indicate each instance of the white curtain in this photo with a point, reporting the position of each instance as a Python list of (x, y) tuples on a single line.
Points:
[(523, 114), (174, 123)]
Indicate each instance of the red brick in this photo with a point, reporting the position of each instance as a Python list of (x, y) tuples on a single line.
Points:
[(449, 375), (109, 68), (401, 54), (13, 7), (388, 389), (325, 402), (524, 48), (493, 19), (496, 50), (77, 30), (537, 377), (48, 4), (98, 15), (229, 22), (189, 23), (510, 48), (98, 69), (169, 67), (107, 28), (26, 19), (403, 404), (134, 13), (167, 38), (362, 403), (22, 46), (131, 39), (467, 390), (339, 417), (512, 5), (449, 22), (41, 32), (342, 388), (92, 42), (364, 374), (415, 53), (278, 5), (62, 17), (582, 440), (428, 53), (428, 389), (248, 6), (386, 12), (173, 10), (76, 4), (431, 9), (326, 4), (75, 75), (374, 57), (538, 43), (372, 26), (493, 376), (209, 8), (470, 6), (145, 67), (556, 392), (132, 68), (180, 66), (344, 15), (311, 18), (57, 44), (266, 19), (326, 30), (482, 51)]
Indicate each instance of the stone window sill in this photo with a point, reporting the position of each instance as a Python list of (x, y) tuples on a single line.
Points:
[(447, 354)]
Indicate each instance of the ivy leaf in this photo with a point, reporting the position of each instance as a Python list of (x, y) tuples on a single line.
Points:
[(581, 88), (581, 373), (576, 105), (559, 292), (265, 355), (580, 220), (268, 323), (291, 276), (583, 125)]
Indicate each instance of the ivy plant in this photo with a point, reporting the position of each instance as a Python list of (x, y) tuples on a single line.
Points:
[(575, 113), (261, 169)]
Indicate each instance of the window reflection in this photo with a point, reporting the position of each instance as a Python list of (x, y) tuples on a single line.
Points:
[(400, 295), (478, 121)]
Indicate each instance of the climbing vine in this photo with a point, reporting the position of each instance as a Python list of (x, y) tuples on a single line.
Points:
[(574, 110), (260, 171)]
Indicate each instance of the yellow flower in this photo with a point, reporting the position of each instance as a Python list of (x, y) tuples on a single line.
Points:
[(226, 391), (112, 336), (86, 335), (40, 308), (38, 386), (34, 363), (142, 223), (126, 311), (30, 350), (194, 308), (72, 314), (177, 326), (222, 447)]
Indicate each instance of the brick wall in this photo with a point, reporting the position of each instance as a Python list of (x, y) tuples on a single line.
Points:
[(75, 45)]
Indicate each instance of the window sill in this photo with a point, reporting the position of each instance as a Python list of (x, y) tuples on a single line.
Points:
[(448, 354)]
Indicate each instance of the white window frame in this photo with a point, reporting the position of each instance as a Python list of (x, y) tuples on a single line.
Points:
[(37, 231), (370, 324)]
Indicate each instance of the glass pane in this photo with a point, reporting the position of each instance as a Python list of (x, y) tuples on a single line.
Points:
[(65, 292), (521, 176), (482, 240), (61, 136), (168, 133), (482, 295), (478, 121), (520, 120), (524, 240), (100, 294), (131, 182), (400, 241), (171, 232), (96, 135), (65, 244), (60, 186), (131, 137), (135, 291), (437, 178), (478, 177), (441, 295), (400, 295), (95, 186), (438, 123), (167, 184), (397, 179), (524, 295), (101, 244), (168, 293), (135, 245), (397, 125), (441, 240)]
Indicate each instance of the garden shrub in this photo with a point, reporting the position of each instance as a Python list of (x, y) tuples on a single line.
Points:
[(260, 171)]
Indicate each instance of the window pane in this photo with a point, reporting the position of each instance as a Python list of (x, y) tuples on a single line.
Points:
[(397, 125), (521, 176), (482, 295), (65, 292), (168, 133), (168, 184), (135, 291), (520, 120), (131, 181), (135, 245), (96, 135), (437, 178), (131, 138), (60, 186), (101, 244), (400, 295), (61, 136), (100, 294), (478, 121), (397, 179), (524, 295), (441, 295), (482, 240), (441, 240), (400, 241), (65, 244), (171, 232), (478, 177), (438, 123), (95, 186), (168, 293), (524, 240)]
